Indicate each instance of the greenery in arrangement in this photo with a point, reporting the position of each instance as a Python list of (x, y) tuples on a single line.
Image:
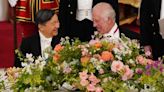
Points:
[(101, 65)]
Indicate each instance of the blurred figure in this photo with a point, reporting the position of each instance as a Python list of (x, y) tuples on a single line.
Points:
[(104, 20), (151, 13), (75, 17), (48, 24), (4, 10), (26, 10)]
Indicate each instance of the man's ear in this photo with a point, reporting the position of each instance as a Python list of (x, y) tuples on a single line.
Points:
[(110, 20)]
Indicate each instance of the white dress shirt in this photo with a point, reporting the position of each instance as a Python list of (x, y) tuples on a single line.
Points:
[(12, 2), (45, 42), (161, 20), (84, 10), (162, 10), (114, 32)]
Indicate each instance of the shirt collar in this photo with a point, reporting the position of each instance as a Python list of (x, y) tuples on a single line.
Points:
[(42, 37)]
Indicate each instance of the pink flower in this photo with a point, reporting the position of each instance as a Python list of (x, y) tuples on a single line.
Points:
[(84, 82), (84, 52), (91, 87), (67, 70), (99, 89), (139, 71), (94, 80), (127, 73), (117, 66), (58, 47), (149, 61), (92, 42), (141, 60), (148, 53), (101, 71), (83, 75)]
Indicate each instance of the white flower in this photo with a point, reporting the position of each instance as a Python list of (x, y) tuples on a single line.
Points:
[(46, 55), (54, 84), (148, 88), (7, 85), (67, 86), (3, 75), (24, 64), (74, 62), (28, 69), (48, 78), (67, 38), (29, 57), (37, 61), (40, 58), (131, 61)]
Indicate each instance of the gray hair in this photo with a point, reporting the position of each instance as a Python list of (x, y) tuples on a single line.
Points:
[(105, 9)]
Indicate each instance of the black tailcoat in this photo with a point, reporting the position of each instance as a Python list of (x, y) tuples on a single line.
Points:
[(149, 16)]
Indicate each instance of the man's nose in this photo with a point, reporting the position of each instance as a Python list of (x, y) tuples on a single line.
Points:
[(57, 25)]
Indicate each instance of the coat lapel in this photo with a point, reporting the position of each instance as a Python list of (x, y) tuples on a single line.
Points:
[(37, 45), (158, 6)]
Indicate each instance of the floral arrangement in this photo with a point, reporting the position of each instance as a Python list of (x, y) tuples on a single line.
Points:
[(102, 65)]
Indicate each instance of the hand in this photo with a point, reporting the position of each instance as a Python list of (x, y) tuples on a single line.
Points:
[(148, 51)]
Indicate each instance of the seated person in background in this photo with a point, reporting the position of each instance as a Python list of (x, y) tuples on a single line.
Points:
[(104, 20), (48, 24)]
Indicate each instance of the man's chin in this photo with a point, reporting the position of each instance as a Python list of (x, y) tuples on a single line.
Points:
[(55, 33)]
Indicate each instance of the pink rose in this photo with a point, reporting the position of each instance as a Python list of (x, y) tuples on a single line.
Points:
[(117, 66), (94, 80), (91, 87), (83, 75), (99, 89), (84, 82), (127, 73), (101, 71), (141, 60)]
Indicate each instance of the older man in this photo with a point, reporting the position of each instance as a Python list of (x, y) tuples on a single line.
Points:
[(104, 20)]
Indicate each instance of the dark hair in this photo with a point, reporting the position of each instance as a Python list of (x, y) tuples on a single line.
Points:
[(43, 16)]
